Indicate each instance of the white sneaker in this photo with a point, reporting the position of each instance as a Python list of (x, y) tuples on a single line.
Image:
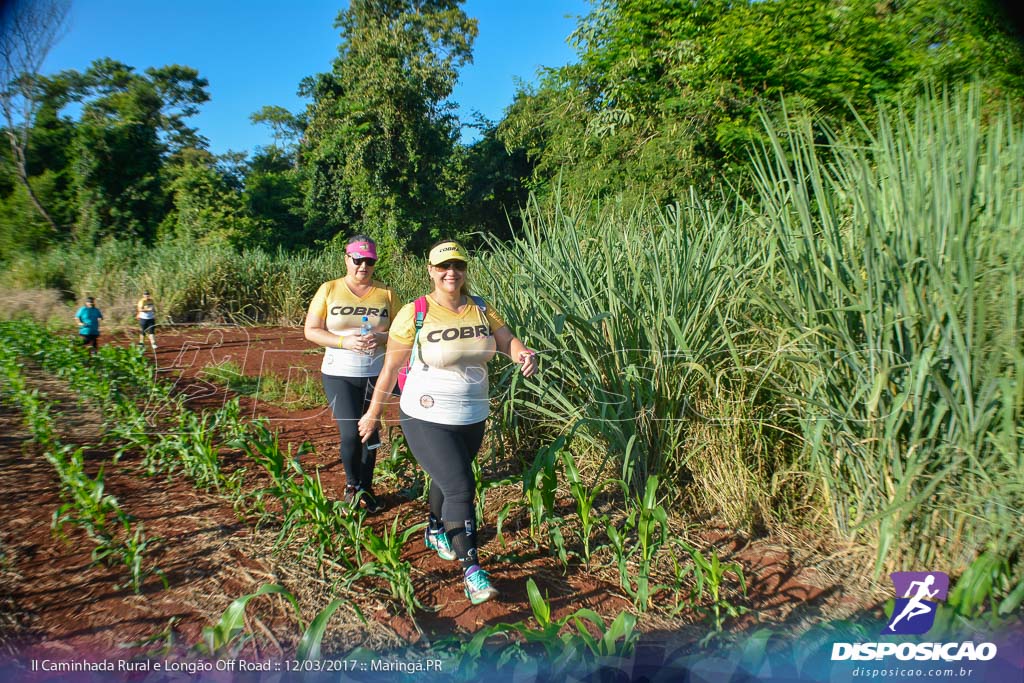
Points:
[(479, 588), (439, 544)]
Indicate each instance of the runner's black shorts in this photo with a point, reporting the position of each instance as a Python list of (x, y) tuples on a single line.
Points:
[(147, 325)]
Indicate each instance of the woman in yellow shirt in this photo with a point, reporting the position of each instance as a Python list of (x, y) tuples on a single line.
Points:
[(145, 312), (444, 403), (336, 319)]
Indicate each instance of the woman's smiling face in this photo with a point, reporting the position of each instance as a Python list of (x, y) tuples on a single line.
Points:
[(448, 276)]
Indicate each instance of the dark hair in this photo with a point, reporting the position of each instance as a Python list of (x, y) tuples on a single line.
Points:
[(360, 238), (145, 292), (90, 300)]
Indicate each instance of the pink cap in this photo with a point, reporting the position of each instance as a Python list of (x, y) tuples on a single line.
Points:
[(362, 250)]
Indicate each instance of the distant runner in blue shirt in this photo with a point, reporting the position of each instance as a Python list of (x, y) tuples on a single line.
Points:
[(89, 318)]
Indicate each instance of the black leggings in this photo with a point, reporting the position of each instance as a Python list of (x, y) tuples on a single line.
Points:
[(446, 453), (349, 397)]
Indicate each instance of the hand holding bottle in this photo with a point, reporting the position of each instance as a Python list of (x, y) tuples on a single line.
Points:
[(369, 340)]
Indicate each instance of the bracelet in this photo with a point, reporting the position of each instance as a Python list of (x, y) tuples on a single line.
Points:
[(341, 342)]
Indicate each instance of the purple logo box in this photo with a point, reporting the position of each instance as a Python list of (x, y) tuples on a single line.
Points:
[(918, 595), (939, 584)]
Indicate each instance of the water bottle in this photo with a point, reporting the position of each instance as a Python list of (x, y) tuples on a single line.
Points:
[(364, 330)]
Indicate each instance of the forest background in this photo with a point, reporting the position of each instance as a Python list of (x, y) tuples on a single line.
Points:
[(664, 97)]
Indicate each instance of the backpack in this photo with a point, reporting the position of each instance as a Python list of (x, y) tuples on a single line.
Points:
[(420, 306)]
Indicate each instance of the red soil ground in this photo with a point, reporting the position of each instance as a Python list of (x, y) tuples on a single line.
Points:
[(56, 602)]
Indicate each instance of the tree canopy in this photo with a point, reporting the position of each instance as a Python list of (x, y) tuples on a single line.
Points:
[(664, 95), (669, 93), (381, 132)]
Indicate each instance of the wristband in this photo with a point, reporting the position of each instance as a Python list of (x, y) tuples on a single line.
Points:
[(341, 342)]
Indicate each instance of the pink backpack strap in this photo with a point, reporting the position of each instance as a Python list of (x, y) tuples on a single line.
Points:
[(420, 306)]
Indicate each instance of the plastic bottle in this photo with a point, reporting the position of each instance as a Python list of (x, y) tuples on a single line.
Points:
[(364, 330)]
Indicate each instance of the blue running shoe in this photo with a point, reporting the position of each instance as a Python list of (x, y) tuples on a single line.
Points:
[(478, 586), (439, 543)]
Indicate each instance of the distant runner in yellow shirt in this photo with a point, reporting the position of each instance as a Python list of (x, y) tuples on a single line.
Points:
[(350, 318), (145, 311)]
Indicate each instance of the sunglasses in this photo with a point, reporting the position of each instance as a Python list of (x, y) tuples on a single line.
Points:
[(361, 261), (455, 265)]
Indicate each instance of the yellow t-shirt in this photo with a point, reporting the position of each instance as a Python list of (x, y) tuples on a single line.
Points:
[(447, 383), (145, 309), (344, 311)]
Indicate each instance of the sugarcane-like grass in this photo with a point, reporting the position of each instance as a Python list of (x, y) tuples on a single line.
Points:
[(845, 345)]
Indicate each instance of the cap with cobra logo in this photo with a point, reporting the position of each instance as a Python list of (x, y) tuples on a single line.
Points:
[(447, 251)]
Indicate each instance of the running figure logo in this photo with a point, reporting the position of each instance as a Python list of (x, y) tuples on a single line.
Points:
[(917, 598)]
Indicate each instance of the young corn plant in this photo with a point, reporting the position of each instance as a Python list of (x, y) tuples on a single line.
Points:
[(585, 497), (199, 454), (988, 595), (330, 527), (311, 513), (647, 528), (131, 552), (387, 563), (576, 639), (87, 504), (38, 420), (262, 446), (540, 485), (227, 423), (128, 429), (483, 485), (709, 574), (228, 636)]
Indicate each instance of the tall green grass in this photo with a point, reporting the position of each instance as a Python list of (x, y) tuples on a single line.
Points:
[(635, 315), (844, 346), (898, 270), (192, 284)]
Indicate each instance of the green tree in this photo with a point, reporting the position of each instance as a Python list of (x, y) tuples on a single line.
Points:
[(381, 134), (287, 128), (669, 93), (273, 187), (207, 208), (130, 124), (273, 195), (495, 186), (47, 174), (28, 31)]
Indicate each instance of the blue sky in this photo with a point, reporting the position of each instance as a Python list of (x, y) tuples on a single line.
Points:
[(255, 53)]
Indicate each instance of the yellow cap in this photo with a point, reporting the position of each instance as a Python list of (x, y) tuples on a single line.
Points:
[(447, 251)]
